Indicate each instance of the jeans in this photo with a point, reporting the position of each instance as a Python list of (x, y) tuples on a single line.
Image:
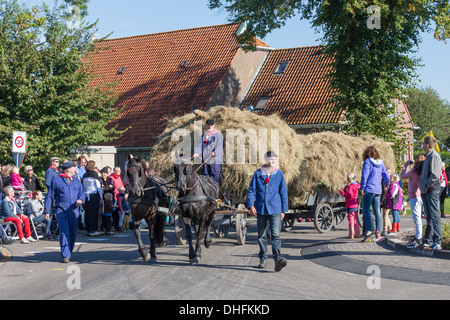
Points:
[(416, 210), (395, 216), (371, 199), (272, 223), (433, 231), (47, 223)]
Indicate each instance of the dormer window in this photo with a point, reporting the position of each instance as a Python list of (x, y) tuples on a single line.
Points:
[(281, 68), (262, 103), (122, 70), (184, 64)]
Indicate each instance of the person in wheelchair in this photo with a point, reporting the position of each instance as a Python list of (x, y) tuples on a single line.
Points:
[(36, 212)]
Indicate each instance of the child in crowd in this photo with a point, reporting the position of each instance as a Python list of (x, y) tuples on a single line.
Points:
[(107, 213), (16, 180), (124, 209), (394, 202), (350, 193), (36, 210)]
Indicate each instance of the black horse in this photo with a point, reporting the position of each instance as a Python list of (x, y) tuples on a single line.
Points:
[(197, 195), (146, 194)]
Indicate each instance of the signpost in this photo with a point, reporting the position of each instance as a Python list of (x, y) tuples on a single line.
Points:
[(19, 144)]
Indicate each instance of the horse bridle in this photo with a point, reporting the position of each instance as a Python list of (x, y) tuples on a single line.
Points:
[(142, 171)]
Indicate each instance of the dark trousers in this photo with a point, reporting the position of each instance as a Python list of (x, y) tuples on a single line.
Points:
[(442, 200), (91, 212), (213, 171), (433, 231)]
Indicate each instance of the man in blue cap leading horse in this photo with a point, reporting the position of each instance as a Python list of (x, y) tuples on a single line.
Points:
[(210, 148)]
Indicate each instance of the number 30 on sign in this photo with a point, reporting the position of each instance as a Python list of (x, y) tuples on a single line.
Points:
[(19, 142)]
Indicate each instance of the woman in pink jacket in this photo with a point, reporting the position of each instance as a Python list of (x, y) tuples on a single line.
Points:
[(350, 193)]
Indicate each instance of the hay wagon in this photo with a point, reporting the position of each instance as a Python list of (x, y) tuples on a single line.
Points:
[(326, 210)]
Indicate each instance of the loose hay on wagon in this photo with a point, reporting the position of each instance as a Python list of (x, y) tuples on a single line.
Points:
[(315, 166)]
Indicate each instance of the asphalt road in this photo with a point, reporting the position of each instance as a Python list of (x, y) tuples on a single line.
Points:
[(109, 267)]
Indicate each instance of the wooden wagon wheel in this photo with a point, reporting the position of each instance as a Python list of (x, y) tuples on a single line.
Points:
[(241, 225), (360, 216), (339, 218), (221, 230), (323, 218), (288, 222)]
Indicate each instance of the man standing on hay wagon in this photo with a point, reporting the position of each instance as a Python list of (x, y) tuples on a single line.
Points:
[(267, 199), (210, 147)]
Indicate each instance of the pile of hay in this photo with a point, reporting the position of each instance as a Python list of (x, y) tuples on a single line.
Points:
[(330, 157), (235, 177), (320, 159)]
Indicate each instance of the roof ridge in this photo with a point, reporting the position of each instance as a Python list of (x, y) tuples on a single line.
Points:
[(318, 45), (172, 31)]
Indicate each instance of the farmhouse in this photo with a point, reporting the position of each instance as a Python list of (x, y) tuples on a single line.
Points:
[(172, 73)]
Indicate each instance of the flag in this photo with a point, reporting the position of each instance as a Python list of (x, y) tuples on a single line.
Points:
[(436, 147)]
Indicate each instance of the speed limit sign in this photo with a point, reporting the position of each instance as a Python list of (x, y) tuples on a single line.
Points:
[(19, 142)]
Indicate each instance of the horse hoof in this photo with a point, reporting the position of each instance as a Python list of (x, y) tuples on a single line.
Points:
[(193, 261), (153, 260), (207, 245), (146, 258)]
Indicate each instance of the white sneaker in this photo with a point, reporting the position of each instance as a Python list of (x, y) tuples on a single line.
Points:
[(31, 239), (24, 241)]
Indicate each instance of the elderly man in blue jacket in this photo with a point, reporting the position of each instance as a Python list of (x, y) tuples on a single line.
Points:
[(68, 194), (267, 199)]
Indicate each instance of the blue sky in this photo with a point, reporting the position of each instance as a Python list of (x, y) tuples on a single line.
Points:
[(136, 17)]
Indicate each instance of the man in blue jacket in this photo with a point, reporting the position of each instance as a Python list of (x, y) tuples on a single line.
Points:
[(51, 172), (68, 194), (267, 199)]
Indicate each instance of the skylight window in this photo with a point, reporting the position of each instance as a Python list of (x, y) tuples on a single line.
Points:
[(281, 68), (262, 103)]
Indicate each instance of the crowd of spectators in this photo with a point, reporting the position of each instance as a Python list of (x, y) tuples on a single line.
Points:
[(105, 210)]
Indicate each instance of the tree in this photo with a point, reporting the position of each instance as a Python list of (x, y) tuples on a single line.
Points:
[(429, 112), (45, 77), (369, 43)]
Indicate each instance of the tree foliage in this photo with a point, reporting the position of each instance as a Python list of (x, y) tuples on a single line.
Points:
[(45, 76), (429, 112), (371, 44)]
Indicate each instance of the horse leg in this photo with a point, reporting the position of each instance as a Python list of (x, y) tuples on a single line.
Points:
[(207, 236), (141, 247), (152, 236), (198, 243), (192, 256)]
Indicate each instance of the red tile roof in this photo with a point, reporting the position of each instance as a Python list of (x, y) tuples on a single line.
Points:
[(300, 95), (154, 86)]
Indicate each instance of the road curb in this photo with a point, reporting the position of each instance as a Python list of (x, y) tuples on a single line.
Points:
[(396, 244)]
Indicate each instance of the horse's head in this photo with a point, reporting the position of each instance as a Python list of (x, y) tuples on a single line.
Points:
[(136, 174), (183, 173)]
